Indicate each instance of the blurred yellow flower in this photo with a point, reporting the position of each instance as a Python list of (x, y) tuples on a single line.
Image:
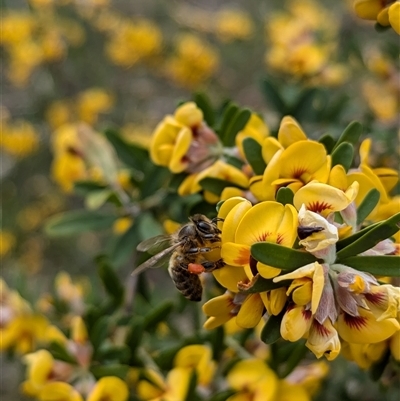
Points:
[(91, 103), (7, 242), (133, 41), (122, 224), (231, 24), (19, 138), (194, 61)]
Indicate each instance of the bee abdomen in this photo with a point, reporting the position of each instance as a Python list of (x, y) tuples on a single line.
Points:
[(188, 284)]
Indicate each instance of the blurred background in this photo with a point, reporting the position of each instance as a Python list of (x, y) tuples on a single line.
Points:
[(126, 64)]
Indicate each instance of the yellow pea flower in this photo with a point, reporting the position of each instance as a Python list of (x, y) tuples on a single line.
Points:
[(109, 388)]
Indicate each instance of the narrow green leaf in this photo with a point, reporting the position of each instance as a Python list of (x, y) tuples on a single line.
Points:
[(253, 152), (343, 155), (131, 155), (328, 141), (371, 237), (377, 368), (217, 342), (60, 353), (271, 331), (238, 122), (367, 205), (96, 199), (305, 104), (230, 112), (343, 243), (215, 185), (86, 187), (382, 265), (158, 315), (299, 350), (351, 134), (124, 245), (280, 256), (110, 280), (285, 196), (76, 222), (118, 353), (204, 103), (272, 96), (116, 369), (135, 334), (191, 388), (381, 28), (222, 396), (261, 284), (99, 332)]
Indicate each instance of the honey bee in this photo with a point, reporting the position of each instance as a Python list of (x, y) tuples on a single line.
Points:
[(192, 250)]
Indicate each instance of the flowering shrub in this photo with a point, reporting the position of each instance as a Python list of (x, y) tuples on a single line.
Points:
[(285, 220)]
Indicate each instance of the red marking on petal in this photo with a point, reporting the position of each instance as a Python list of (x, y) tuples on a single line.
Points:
[(298, 172), (243, 258), (377, 298), (318, 207), (307, 314), (195, 268), (321, 329), (355, 322), (280, 238), (262, 237)]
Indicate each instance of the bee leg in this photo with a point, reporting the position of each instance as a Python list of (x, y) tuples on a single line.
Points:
[(211, 266)]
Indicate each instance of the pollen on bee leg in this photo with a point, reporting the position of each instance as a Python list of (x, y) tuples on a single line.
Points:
[(195, 268)]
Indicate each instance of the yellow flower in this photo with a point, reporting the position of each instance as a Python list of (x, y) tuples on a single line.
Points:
[(59, 113), (59, 391), (109, 388), (19, 138), (183, 142), (221, 309), (122, 224), (193, 63), (7, 242), (43, 369), (364, 355), (92, 102), (219, 169), (233, 24), (198, 357), (174, 388), (252, 379), (133, 42), (23, 332)]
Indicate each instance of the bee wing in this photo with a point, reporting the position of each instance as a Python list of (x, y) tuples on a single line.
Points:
[(155, 245), (157, 260)]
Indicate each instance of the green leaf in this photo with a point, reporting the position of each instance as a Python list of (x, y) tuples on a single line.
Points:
[(371, 237), (367, 205), (217, 342), (124, 245), (116, 369), (149, 226), (343, 155), (76, 222), (132, 155), (305, 104), (285, 196), (381, 28), (60, 353), (343, 243), (296, 355), (99, 332), (158, 315), (271, 331), (96, 199), (381, 265), (118, 353), (110, 280), (328, 141), (191, 388), (203, 102), (253, 152), (222, 396), (135, 334), (261, 284), (229, 113), (238, 122), (272, 96), (377, 368), (216, 185), (280, 256), (351, 134), (86, 187)]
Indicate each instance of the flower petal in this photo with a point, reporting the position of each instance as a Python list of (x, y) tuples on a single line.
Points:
[(250, 312)]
